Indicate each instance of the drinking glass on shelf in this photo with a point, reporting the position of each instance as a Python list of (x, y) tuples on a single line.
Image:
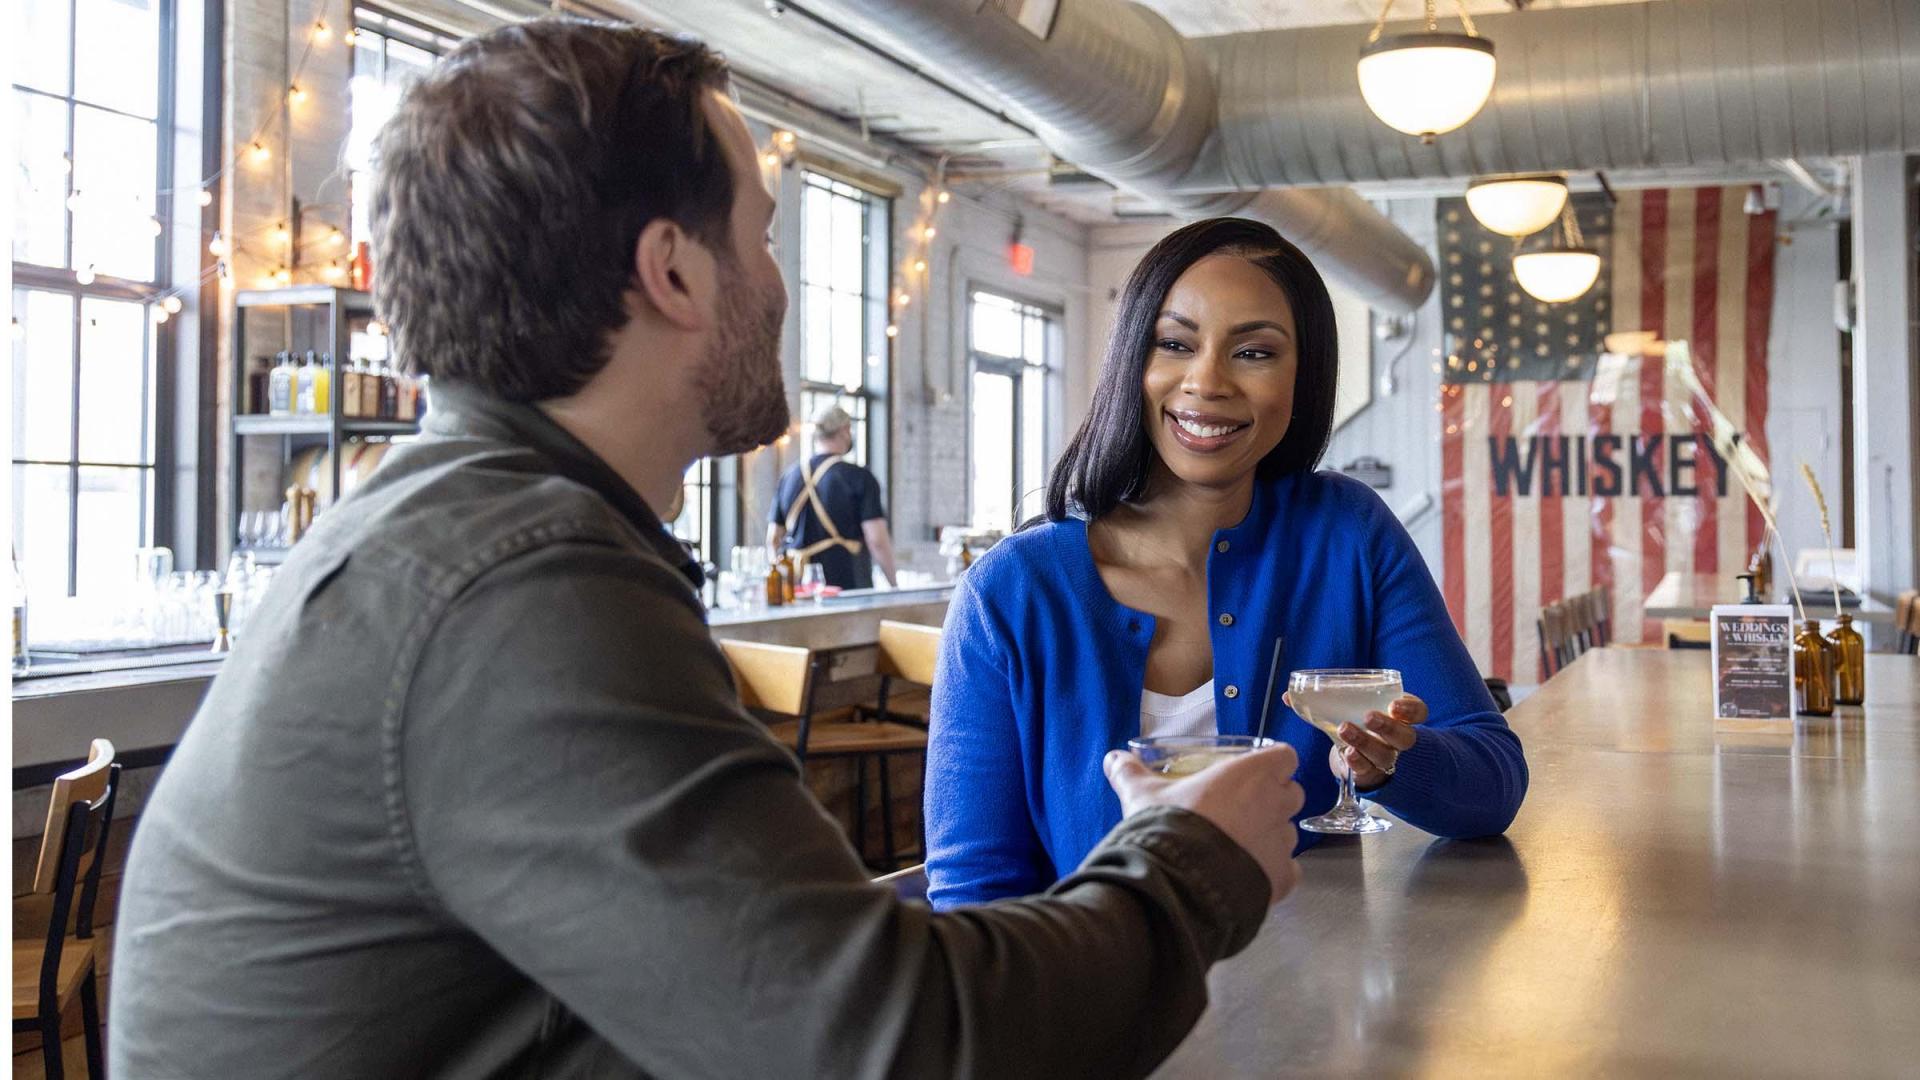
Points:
[(1184, 755), (1327, 698), (814, 579)]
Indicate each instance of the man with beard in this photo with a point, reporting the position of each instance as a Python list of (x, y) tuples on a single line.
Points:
[(475, 796)]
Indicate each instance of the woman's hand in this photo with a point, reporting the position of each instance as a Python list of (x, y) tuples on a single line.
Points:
[(1371, 752)]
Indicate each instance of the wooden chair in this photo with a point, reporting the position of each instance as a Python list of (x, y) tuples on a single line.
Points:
[(780, 679), (1603, 614), (1580, 631), (1906, 623), (1556, 649), (908, 651), (47, 975)]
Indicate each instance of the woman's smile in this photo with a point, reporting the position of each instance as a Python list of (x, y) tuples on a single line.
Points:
[(1203, 433)]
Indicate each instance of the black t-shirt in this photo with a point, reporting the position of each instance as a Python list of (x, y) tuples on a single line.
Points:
[(851, 495)]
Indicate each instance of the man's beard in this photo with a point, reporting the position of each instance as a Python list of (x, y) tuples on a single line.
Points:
[(739, 379)]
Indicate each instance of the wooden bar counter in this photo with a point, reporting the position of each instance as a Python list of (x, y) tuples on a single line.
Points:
[(1668, 903)]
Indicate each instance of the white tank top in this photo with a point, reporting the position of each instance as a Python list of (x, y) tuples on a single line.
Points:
[(1189, 714)]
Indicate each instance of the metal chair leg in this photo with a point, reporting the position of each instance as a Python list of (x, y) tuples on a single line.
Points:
[(886, 809), (50, 1044), (860, 807), (90, 1018)]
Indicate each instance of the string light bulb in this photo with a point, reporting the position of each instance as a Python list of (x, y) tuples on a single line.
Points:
[(321, 32), (772, 159), (84, 275), (350, 38), (919, 266), (283, 276), (893, 330), (281, 235), (332, 271), (337, 238), (206, 197), (66, 164), (160, 315), (295, 95), (75, 201), (217, 247), (929, 233), (784, 138), (154, 223), (902, 298), (172, 304), (259, 153), (943, 198)]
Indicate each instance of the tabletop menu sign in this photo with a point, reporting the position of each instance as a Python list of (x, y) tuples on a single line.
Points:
[(1753, 663)]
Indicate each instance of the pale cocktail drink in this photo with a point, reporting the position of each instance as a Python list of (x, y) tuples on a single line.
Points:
[(1336, 703), (1328, 698), (1184, 755)]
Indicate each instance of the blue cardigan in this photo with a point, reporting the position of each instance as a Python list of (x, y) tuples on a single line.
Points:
[(1041, 671)]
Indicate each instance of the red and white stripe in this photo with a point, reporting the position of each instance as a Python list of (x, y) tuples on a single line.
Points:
[(1693, 265)]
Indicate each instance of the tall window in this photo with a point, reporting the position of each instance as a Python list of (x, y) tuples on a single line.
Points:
[(1012, 346), (843, 292), (388, 54), (92, 113)]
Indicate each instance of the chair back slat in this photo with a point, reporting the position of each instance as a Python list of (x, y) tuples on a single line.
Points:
[(908, 651), (776, 678), (87, 784)]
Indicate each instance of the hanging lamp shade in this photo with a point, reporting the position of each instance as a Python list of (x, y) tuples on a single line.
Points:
[(1426, 83), (1557, 275), (1517, 205)]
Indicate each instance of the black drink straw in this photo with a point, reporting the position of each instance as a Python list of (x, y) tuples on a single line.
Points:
[(1273, 676)]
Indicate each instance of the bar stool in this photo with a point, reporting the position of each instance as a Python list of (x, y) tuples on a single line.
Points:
[(781, 679), (48, 975)]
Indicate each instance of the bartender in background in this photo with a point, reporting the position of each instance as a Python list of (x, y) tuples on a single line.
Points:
[(828, 509)]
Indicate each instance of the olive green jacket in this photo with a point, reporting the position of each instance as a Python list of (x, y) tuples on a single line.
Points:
[(475, 797)]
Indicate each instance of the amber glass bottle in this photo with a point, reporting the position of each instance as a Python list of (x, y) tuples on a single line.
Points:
[(1812, 671), (1849, 651)]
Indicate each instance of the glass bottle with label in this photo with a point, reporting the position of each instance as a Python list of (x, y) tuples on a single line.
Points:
[(1849, 651), (1812, 671), (350, 389), (20, 663), (389, 392), (322, 367), (280, 385)]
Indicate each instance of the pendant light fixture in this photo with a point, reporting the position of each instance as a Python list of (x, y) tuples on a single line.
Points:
[(1428, 82), (1563, 270), (1517, 205)]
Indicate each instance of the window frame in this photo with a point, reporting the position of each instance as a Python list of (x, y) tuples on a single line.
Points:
[(158, 359), (1018, 369), (876, 288)]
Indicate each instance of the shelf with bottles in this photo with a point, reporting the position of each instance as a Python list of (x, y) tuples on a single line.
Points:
[(317, 397)]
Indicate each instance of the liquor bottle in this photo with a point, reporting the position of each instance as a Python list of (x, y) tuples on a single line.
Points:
[(322, 376), (20, 663), (789, 578), (1849, 662), (370, 382), (408, 405), (280, 385), (1812, 671), (361, 267), (776, 590), (389, 391), (350, 389)]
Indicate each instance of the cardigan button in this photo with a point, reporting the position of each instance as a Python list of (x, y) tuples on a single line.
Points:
[(1222, 547), (1231, 691), (1226, 619), (1133, 626)]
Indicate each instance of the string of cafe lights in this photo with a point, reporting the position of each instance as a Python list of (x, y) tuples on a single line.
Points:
[(257, 152)]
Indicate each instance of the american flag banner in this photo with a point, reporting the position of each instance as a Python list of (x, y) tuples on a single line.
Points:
[(1564, 468)]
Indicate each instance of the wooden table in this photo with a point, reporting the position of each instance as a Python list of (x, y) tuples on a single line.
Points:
[(1692, 596), (1668, 903)]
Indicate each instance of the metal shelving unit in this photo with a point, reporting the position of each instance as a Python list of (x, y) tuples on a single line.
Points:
[(317, 317)]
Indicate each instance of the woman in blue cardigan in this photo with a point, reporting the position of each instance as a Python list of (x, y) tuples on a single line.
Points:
[(1186, 531)]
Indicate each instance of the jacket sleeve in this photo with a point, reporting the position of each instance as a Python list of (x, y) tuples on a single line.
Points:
[(981, 842), (1466, 775), (578, 787)]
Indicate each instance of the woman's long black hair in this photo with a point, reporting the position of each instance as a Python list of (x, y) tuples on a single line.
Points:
[(1110, 457)]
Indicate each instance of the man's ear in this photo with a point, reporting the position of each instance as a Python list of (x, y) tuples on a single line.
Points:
[(675, 274)]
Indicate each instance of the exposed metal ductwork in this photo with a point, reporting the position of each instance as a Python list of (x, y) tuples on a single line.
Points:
[(1664, 84), (1117, 91)]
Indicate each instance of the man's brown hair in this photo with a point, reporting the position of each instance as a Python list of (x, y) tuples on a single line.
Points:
[(512, 184)]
